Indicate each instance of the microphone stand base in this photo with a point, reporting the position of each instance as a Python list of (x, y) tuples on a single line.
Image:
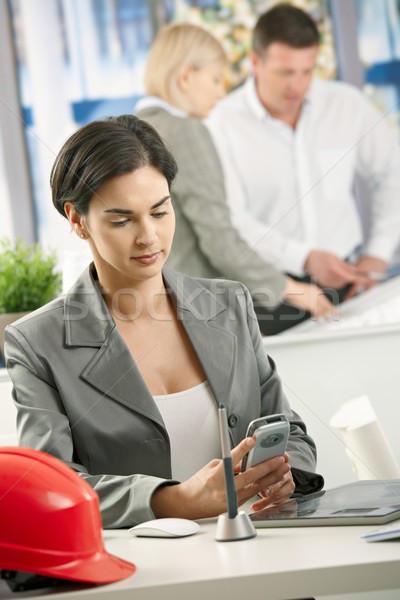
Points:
[(238, 528)]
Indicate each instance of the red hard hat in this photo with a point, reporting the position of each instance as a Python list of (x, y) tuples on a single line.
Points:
[(50, 521)]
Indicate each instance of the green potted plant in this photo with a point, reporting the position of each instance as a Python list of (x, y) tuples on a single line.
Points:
[(28, 279)]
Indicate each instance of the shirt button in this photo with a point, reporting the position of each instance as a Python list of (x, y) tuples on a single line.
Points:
[(233, 420)]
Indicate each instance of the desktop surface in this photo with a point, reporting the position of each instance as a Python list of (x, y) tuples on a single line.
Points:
[(278, 564)]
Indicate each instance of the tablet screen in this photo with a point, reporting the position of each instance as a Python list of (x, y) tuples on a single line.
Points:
[(359, 503)]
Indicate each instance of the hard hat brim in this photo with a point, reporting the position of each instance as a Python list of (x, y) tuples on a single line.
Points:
[(98, 568)]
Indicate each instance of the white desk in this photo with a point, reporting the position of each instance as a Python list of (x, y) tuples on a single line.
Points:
[(277, 564)]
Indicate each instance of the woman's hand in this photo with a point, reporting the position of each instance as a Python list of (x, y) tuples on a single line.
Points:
[(203, 495), (276, 493), (309, 297)]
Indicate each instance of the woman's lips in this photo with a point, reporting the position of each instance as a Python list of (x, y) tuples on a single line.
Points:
[(147, 259)]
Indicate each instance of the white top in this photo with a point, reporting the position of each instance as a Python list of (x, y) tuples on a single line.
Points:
[(291, 191), (191, 420)]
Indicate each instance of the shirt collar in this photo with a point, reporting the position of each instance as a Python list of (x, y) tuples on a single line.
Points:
[(150, 101), (253, 101)]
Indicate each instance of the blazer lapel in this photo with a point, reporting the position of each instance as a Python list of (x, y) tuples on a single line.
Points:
[(111, 369), (216, 348), (114, 372), (217, 353)]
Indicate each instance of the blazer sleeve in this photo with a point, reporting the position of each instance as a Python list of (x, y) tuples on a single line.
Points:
[(301, 447), (43, 424)]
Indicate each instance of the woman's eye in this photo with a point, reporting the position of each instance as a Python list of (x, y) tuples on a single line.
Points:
[(119, 223), (159, 215)]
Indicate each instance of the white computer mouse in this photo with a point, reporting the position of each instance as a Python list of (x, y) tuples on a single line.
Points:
[(171, 527)]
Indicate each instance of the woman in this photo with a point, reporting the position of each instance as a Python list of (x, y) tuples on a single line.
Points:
[(184, 79), (122, 377)]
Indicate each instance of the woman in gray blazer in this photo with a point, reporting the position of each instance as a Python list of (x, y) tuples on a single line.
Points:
[(121, 378), (184, 79)]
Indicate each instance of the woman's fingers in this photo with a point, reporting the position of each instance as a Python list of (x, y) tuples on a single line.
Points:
[(276, 493), (282, 490), (260, 477), (240, 451), (272, 477), (266, 473)]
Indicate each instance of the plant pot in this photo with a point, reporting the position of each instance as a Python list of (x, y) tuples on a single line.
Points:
[(6, 319)]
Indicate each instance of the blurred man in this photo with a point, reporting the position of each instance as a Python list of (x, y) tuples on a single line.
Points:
[(291, 147)]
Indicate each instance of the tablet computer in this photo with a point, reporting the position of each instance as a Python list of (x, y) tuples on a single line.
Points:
[(367, 502)]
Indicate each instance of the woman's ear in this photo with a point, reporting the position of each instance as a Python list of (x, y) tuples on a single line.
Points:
[(75, 220), (184, 78), (72, 214)]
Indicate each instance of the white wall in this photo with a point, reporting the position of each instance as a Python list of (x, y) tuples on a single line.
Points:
[(8, 431), (6, 228)]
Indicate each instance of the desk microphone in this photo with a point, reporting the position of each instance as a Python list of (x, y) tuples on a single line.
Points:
[(232, 525)]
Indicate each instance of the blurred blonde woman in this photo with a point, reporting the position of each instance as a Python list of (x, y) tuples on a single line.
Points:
[(184, 79)]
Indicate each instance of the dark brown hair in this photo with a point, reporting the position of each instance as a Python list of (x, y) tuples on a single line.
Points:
[(286, 24), (101, 151)]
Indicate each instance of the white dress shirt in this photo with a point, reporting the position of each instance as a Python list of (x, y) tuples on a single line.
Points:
[(292, 190)]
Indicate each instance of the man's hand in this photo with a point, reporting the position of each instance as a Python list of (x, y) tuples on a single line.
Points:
[(372, 269), (330, 271)]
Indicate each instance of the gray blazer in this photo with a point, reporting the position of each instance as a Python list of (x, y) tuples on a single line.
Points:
[(80, 396), (206, 243)]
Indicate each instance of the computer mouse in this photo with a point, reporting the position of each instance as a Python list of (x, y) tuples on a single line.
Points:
[(169, 527)]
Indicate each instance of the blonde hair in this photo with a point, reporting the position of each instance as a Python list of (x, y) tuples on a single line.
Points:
[(176, 46)]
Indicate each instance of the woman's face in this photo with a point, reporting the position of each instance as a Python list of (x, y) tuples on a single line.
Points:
[(203, 87), (131, 225)]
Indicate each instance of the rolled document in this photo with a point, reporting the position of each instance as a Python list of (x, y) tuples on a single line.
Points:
[(366, 444)]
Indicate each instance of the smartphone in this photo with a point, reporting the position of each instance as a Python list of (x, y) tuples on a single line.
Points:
[(271, 434)]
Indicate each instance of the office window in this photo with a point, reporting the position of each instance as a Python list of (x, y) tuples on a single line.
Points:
[(379, 48)]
